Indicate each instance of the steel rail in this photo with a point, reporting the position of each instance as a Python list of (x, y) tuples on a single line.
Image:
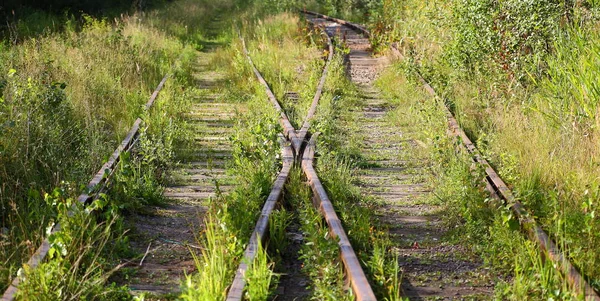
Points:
[(358, 279), (356, 275), (288, 129), (91, 192), (498, 188), (313, 107), (236, 291), (297, 137)]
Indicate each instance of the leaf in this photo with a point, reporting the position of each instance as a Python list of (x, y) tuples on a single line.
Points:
[(11, 72), (513, 224)]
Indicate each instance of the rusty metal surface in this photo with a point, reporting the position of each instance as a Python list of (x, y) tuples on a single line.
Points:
[(496, 186), (236, 291), (93, 189), (288, 130), (313, 107), (358, 280)]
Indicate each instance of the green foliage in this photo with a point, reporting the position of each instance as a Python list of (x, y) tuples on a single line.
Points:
[(216, 266), (260, 278), (319, 253), (278, 223), (568, 93), (515, 36), (68, 97), (78, 259)]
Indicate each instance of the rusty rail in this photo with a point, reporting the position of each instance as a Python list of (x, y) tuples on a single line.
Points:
[(358, 280), (236, 291), (497, 188), (288, 130), (297, 137), (313, 107), (92, 191)]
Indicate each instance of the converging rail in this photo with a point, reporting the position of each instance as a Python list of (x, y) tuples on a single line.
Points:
[(236, 291), (297, 140), (93, 190), (497, 187)]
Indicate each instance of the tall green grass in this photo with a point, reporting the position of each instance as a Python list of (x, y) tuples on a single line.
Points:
[(67, 98)]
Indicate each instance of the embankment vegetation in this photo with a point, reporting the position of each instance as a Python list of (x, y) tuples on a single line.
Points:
[(68, 95)]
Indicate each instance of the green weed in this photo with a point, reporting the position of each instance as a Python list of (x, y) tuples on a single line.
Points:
[(260, 277)]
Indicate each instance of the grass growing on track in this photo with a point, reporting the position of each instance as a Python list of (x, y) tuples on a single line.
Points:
[(277, 41), (486, 225), (338, 157), (231, 217), (66, 100), (319, 253)]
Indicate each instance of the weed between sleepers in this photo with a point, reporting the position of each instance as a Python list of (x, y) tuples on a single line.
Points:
[(254, 165), (86, 268), (245, 145), (320, 254)]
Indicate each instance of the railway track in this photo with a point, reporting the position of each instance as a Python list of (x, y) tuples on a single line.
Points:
[(415, 224), (297, 148), (93, 190), (166, 234), (494, 183)]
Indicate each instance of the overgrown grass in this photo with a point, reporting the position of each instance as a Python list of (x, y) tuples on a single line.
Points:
[(277, 41), (488, 226), (319, 253), (67, 98), (78, 255)]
